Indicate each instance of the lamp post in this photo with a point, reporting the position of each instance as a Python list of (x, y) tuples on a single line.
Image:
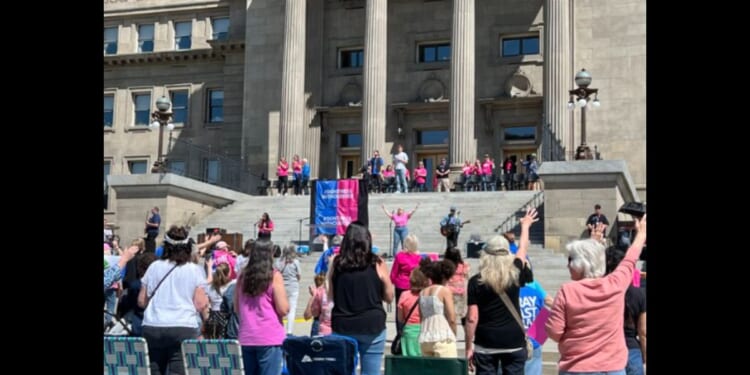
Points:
[(580, 97), (161, 118)]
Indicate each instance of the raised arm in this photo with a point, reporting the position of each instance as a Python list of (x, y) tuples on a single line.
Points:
[(413, 211), (526, 221), (386, 211)]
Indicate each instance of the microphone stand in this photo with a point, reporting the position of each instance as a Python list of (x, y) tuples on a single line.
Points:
[(299, 241), (390, 237)]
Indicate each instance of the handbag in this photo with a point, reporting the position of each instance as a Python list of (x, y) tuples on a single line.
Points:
[(215, 327), (396, 344), (509, 306)]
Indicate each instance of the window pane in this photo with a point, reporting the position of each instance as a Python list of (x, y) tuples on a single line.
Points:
[(110, 41), (530, 46), (183, 30), (179, 106), (176, 166), (109, 106), (523, 133), (142, 109), (351, 58), (216, 106), (138, 167), (351, 140), (221, 28), (432, 137), (359, 58), (511, 47), (212, 171), (444, 53), (146, 38), (434, 52)]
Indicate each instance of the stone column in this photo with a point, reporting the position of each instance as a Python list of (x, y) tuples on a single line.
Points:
[(558, 75), (293, 81), (374, 88), (462, 143)]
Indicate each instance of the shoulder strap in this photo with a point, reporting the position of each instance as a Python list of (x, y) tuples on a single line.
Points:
[(159, 284), (509, 306), (414, 306)]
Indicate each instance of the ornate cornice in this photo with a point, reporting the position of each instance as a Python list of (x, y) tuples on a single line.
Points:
[(217, 52)]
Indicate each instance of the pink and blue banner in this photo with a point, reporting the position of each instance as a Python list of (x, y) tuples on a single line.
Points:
[(337, 204)]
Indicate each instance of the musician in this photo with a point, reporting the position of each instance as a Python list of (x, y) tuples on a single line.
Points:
[(265, 227), (400, 231), (451, 226), (152, 230)]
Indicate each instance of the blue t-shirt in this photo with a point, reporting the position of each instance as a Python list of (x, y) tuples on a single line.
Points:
[(376, 164), (531, 300), (159, 251), (156, 219), (306, 171)]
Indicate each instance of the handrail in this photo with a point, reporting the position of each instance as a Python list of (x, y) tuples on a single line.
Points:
[(535, 202)]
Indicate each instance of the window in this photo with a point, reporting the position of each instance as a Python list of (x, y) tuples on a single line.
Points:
[(179, 106), (351, 58), (215, 106), (142, 109), (182, 33), (528, 45), (220, 28), (176, 166), (138, 166), (146, 38), (432, 137), (521, 133), (107, 169), (109, 110), (351, 140), (434, 52), (110, 40), (211, 171)]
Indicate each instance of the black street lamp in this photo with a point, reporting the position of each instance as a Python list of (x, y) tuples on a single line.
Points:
[(580, 97), (161, 118)]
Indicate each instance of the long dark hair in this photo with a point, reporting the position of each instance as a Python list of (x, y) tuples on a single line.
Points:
[(178, 253), (439, 272), (356, 249), (453, 255), (258, 272)]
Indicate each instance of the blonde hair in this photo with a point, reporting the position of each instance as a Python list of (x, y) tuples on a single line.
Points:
[(411, 243), (140, 243), (221, 277), (498, 271)]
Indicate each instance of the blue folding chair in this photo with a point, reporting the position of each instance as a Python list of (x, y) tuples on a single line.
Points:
[(212, 357), (126, 356), (321, 355)]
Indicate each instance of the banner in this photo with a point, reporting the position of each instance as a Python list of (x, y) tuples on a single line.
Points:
[(338, 203)]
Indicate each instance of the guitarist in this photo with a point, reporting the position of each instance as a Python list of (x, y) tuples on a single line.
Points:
[(450, 226), (152, 229)]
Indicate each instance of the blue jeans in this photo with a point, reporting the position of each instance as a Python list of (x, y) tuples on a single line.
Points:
[(371, 348), (635, 362), (401, 181), (315, 329), (110, 297), (399, 235), (533, 365), (618, 372), (262, 360)]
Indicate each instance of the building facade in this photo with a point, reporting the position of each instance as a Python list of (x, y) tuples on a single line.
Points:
[(334, 80)]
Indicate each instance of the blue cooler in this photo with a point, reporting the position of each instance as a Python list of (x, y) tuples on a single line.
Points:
[(375, 249), (303, 249)]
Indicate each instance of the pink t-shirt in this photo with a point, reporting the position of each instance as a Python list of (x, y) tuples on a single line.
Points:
[(387, 173), (586, 320), (266, 227), (400, 220), (321, 308), (466, 170), (403, 264), (405, 302), (223, 256), (457, 282), (282, 170), (297, 167), (421, 175), (487, 167), (259, 323)]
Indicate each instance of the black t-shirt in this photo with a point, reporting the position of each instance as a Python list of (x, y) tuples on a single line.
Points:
[(594, 219), (442, 168), (635, 305), (497, 329), (358, 302)]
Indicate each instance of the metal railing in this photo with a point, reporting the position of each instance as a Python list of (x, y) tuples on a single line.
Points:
[(514, 219), (552, 148), (207, 165)]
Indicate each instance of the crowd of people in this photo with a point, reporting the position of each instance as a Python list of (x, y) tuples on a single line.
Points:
[(188, 290)]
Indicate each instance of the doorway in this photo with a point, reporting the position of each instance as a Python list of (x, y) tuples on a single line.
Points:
[(349, 165), (431, 161)]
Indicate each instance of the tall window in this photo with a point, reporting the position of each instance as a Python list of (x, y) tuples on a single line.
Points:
[(146, 38), (138, 166), (179, 106), (107, 169), (220, 28), (110, 40), (434, 52), (528, 45), (109, 110), (351, 58), (215, 106), (142, 109), (176, 166), (211, 172), (432, 137), (351, 140), (182, 35)]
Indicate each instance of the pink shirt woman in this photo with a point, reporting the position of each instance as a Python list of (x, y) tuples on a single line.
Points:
[(400, 231), (420, 174), (389, 172), (487, 166), (283, 168)]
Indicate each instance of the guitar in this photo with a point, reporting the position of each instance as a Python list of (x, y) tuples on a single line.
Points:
[(145, 229), (449, 229)]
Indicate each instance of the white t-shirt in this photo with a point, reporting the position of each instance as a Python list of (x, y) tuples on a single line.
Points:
[(172, 305), (401, 156)]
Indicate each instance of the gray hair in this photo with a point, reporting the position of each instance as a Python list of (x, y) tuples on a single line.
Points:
[(587, 257), (289, 253), (411, 243)]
